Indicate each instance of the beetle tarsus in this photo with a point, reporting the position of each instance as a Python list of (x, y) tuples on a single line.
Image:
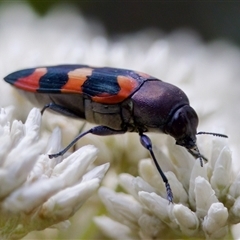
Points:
[(198, 155), (55, 155), (146, 142), (169, 192)]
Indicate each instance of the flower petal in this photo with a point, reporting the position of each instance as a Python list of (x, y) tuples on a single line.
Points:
[(222, 173), (73, 167), (234, 212), (187, 220), (65, 203), (159, 207), (215, 224), (134, 184), (120, 231), (196, 171), (150, 226), (122, 207), (28, 197), (205, 196)]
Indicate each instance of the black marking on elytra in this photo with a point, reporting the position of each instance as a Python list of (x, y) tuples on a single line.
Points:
[(13, 77), (104, 80), (55, 78)]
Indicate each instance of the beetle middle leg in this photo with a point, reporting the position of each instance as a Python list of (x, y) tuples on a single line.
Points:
[(98, 130), (79, 132), (146, 142), (59, 109)]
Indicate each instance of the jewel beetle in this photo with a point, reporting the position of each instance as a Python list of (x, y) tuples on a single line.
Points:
[(117, 101)]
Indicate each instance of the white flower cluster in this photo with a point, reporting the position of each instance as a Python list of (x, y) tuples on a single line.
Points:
[(206, 199), (37, 192)]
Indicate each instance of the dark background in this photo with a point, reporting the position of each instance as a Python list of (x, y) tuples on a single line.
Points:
[(212, 19)]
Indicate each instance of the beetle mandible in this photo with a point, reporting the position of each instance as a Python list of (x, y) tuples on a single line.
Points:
[(117, 100)]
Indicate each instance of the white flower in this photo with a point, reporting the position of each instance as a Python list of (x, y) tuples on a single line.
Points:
[(37, 192), (205, 204)]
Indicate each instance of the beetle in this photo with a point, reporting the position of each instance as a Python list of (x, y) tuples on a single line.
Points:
[(117, 101)]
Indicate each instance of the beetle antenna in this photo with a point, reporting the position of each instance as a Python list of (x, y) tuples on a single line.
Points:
[(214, 134)]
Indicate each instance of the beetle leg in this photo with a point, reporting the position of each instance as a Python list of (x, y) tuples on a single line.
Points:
[(59, 109), (197, 155), (98, 130), (79, 132), (146, 142)]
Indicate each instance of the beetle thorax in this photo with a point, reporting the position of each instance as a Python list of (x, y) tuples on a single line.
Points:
[(154, 103)]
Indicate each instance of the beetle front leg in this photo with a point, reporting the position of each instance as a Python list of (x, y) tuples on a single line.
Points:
[(146, 142), (196, 154), (98, 130)]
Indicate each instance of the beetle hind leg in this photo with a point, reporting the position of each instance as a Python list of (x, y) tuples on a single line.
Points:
[(146, 142), (98, 130)]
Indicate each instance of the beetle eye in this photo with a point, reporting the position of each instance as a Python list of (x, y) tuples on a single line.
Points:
[(182, 126), (179, 124)]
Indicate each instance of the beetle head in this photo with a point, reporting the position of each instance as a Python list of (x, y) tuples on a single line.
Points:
[(182, 125)]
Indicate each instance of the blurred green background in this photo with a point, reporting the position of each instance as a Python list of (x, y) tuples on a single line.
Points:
[(212, 19)]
